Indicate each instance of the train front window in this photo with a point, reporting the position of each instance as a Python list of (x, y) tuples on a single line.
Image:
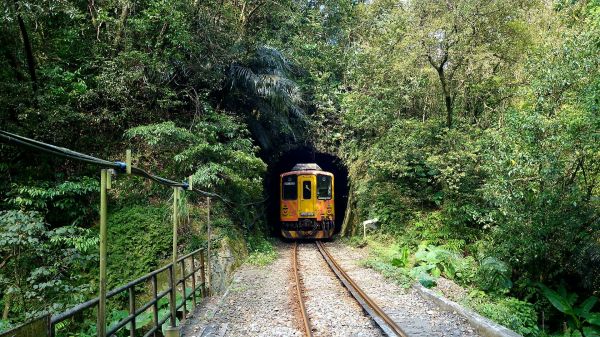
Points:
[(306, 190), (290, 191), (323, 187)]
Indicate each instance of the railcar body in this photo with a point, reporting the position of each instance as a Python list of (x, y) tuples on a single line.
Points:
[(306, 203)]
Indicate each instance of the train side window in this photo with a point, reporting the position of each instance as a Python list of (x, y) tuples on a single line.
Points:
[(306, 190), (323, 187), (290, 191)]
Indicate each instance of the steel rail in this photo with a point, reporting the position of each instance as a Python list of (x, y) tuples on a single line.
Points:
[(385, 323), (305, 320)]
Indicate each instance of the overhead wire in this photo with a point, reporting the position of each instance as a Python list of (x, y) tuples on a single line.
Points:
[(14, 139)]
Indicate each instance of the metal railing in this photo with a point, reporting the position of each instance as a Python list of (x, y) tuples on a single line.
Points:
[(108, 169), (196, 261)]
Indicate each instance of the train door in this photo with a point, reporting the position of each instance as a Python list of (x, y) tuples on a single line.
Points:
[(306, 205)]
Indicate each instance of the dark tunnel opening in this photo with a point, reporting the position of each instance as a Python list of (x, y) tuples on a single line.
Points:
[(285, 162)]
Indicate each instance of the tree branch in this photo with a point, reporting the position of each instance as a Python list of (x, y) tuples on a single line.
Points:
[(5, 261)]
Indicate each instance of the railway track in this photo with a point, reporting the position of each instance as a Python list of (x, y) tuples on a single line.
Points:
[(305, 320), (381, 319)]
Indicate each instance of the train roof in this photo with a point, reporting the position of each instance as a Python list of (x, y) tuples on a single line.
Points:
[(307, 172), (306, 167)]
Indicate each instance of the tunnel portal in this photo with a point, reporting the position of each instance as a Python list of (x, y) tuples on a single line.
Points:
[(286, 162)]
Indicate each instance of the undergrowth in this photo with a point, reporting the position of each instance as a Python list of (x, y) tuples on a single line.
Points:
[(487, 280), (261, 251)]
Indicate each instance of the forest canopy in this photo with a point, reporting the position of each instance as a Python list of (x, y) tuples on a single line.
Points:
[(467, 126)]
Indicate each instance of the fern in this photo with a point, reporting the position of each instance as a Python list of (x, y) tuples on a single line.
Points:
[(265, 81)]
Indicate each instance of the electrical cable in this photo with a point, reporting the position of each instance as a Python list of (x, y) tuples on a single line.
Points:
[(53, 148), (14, 139)]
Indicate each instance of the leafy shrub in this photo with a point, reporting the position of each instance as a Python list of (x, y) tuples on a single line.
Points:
[(437, 261), (138, 238), (42, 270), (66, 203), (515, 314), (5, 325), (262, 251), (402, 258), (494, 275), (581, 320)]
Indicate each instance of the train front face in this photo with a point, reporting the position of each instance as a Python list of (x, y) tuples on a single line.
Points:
[(306, 208)]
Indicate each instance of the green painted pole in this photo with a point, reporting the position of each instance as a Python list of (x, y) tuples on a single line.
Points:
[(208, 238), (173, 279), (175, 222), (101, 323)]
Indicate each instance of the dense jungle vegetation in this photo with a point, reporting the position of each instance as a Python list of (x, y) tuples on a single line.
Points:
[(470, 130)]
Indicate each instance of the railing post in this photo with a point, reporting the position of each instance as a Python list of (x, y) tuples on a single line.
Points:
[(208, 277), (101, 319), (202, 275), (175, 223), (172, 297), (183, 285), (155, 299), (194, 280), (173, 331), (132, 310)]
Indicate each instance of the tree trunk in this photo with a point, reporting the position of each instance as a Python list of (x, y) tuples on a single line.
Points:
[(447, 97), (28, 50), (346, 230), (445, 91), (6, 307), (121, 24)]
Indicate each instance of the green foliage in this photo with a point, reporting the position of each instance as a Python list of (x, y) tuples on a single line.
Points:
[(42, 270), (494, 275), (468, 126), (139, 237), (390, 259), (71, 199), (435, 260), (215, 151), (398, 274), (514, 314), (261, 251), (432, 262), (5, 325), (581, 319), (401, 260), (515, 177), (355, 241)]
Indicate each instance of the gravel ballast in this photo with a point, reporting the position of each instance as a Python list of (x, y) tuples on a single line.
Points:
[(417, 316), (331, 308), (257, 303), (261, 301)]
